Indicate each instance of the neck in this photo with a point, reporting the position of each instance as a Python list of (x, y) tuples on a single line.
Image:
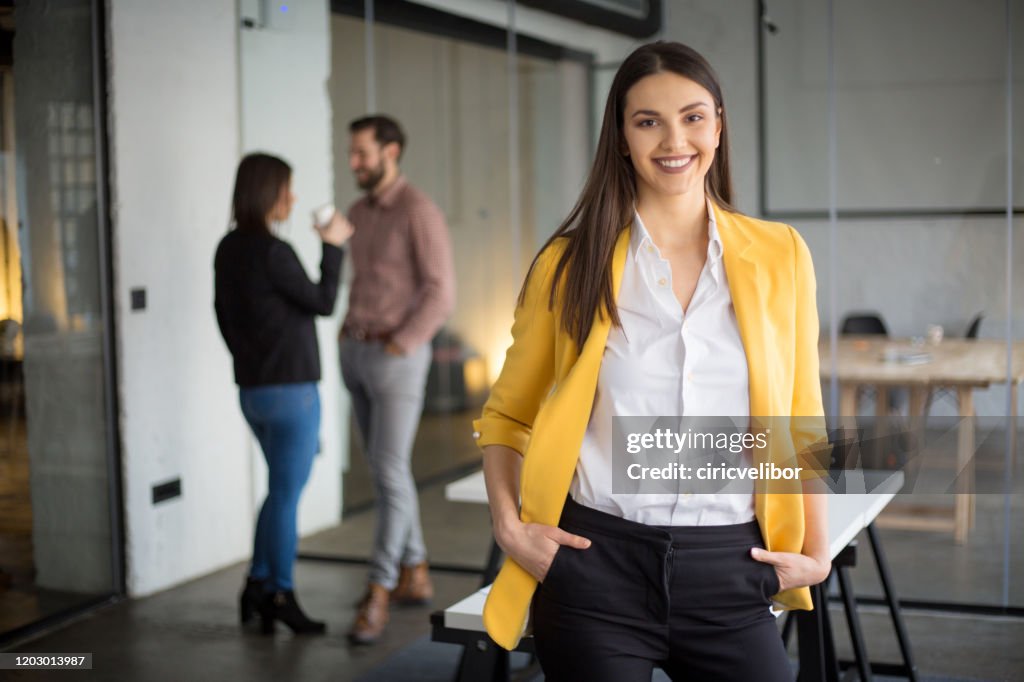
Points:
[(674, 221), (390, 175)]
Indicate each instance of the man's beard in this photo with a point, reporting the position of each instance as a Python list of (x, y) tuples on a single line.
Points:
[(370, 181)]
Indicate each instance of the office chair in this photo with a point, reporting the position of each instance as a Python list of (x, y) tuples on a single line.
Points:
[(974, 327), (864, 323)]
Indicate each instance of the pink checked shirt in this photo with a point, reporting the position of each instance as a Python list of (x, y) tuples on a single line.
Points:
[(404, 281)]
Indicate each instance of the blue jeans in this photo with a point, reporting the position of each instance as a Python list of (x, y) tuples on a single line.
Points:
[(286, 421)]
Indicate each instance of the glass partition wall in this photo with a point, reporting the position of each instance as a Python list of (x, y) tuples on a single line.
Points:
[(499, 136), (60, 549), (899, 162)]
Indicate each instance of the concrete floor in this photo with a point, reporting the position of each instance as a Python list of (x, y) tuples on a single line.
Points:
[(191, 633)]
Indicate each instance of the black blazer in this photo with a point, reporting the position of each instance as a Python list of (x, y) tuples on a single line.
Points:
[(266, 307)]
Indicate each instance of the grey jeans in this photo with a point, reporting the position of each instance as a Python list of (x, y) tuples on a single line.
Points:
[(387, 398)]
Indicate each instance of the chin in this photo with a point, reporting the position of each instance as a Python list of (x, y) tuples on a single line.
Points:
[(675, 189)]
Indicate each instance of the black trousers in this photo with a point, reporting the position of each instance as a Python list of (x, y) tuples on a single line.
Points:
[(688, 599)]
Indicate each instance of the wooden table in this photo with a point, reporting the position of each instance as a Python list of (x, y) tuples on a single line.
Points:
[(961, 365)]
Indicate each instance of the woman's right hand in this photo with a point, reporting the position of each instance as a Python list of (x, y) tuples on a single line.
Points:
[(336, 232), (533, 545)]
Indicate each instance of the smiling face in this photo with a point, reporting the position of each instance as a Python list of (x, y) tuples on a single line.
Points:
[(671, 128), (369, 160)]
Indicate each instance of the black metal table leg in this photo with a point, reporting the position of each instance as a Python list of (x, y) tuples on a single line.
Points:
[(890, 598), (811, 641), (828, 638), (860, 652), (483, 660)]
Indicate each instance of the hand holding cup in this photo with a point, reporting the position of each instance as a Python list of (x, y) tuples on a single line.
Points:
[(332, 226)]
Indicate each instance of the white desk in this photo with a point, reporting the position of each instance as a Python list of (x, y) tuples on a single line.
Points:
[(467, 489)]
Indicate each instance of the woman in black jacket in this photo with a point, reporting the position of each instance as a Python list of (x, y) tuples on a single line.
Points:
[(266, 308)]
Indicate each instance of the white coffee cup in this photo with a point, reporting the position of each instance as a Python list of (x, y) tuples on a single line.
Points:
[(322, 215)]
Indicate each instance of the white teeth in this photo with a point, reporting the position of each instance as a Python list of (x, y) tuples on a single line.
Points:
[(674, 163)]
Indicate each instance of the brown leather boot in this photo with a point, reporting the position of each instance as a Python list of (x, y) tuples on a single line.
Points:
[(414, 586), (372, 616)]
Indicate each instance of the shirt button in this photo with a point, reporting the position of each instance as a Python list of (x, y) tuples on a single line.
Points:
[(662, 282), (476, 434), (650, 249)]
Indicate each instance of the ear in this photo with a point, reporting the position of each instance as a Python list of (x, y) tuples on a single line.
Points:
[(718, 127), (392, 151)]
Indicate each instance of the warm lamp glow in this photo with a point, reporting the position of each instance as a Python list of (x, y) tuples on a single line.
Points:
[(474, 374), (496, 356)]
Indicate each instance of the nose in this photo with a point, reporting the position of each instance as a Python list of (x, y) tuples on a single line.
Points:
[(353, 163), (674, 139)]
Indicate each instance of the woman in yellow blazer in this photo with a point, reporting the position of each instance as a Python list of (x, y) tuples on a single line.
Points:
[(624, 595)]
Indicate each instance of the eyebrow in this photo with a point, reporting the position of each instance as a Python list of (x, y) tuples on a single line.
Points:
[(652, 112)]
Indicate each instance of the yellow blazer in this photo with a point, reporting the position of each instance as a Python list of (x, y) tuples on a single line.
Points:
[(541, 402)]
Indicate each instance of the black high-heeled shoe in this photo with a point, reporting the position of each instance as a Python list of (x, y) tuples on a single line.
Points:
[(250, 598), (282, 606)]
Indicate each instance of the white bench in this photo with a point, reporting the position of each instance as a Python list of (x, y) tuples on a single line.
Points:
[(848, 515)]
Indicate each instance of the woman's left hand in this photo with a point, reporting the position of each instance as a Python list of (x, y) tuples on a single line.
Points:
[(794, 570)]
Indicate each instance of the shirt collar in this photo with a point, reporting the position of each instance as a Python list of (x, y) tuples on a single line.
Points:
[(640, 238), (390, 195)]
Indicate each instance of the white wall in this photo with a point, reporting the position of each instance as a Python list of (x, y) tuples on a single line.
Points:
[(174, 145), (285, 110)]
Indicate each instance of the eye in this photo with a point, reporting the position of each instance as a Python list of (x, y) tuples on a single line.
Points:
[(647, 123), (694, 118)]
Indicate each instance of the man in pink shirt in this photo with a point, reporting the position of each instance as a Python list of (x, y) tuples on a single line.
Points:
[(402, 292)]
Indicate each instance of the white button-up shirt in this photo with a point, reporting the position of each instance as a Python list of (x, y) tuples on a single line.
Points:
[(664, 362)]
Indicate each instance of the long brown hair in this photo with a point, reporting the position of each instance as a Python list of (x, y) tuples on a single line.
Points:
[(258, 184), (605, 207)]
